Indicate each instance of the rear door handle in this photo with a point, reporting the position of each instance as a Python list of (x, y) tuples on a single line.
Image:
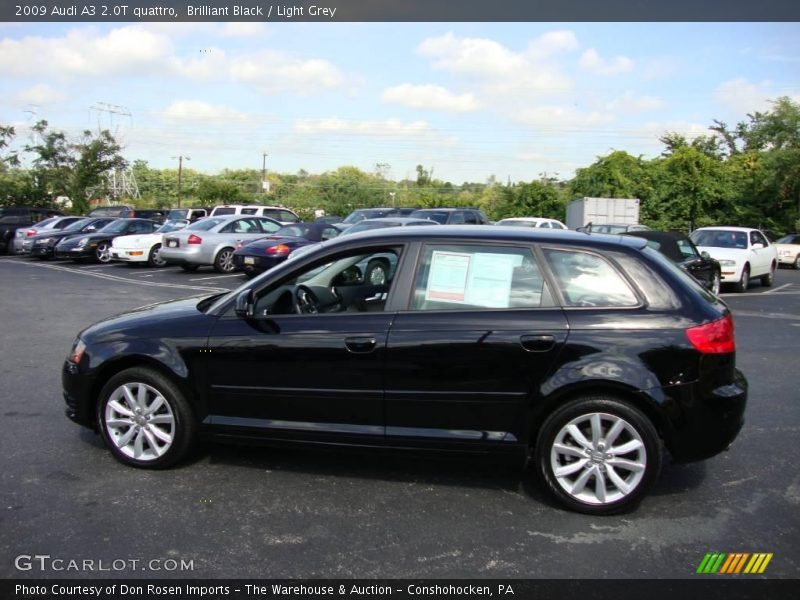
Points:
[(360, 345), (537, 343)]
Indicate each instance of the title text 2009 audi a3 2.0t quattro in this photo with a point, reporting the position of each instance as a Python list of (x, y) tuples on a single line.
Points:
[(587, 351)]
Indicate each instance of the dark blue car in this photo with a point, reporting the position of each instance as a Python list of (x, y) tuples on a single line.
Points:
[(262, 254)]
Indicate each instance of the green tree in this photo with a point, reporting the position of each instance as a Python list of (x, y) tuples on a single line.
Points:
[(95, 155), (618, 175), (534, 199)]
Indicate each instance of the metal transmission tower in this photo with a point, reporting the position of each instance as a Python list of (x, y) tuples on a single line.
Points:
[(121, 182)]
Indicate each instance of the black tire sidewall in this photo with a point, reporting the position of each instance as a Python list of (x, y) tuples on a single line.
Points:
[(590, 404), (373, 265), (185, 426)]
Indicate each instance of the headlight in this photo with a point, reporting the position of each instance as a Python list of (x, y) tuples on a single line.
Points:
[(78, 348), (83, 241), (727, 263)]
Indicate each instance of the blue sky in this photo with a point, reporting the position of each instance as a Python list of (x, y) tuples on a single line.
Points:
[(469, 100)]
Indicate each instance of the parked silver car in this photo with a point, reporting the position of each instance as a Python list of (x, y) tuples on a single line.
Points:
[(211, 241)]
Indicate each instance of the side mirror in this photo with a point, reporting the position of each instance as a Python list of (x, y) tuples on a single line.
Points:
[(705, 254), (90, 228), (758, 246), (245, 304)]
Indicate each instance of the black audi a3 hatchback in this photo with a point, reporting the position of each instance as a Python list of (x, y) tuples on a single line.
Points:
[(587, 353)]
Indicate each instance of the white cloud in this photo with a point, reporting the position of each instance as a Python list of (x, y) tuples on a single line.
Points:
[(388, 128), (592, 61), (272, 72), (629, 102), (81, 53), (743, 96), (243, 29), (471, 56), (198, 111), (553, 42), (659, 68), (40, 94), (561, 118), (429, 97)]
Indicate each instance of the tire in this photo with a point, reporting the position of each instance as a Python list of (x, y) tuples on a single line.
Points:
[(190, 268), (716, 283), (797, 262), (584, 480), (103, 252), (744, 281), (223, 262), (377, 272), (144, 419), (154, 259), (769, 278)]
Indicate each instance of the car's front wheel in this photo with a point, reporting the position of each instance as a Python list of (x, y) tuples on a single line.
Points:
[(145, 419), (598, 455), (797, 262), (103, 252)]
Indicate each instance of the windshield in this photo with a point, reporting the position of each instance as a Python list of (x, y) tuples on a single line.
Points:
[(171, 226), (115, 226), (205, 224), (789, 239), (720, 238), (368, 225), (77, 225), (517, 223), (439, 217), (294, 230), (355, 217)]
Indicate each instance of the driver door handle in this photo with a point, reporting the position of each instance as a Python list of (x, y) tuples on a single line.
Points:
[(537, 343), (360, 345)]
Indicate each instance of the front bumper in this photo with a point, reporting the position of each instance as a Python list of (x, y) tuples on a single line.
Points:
[(43, 251), (77, 395), (709, 421), (130, 254), (82, 252)]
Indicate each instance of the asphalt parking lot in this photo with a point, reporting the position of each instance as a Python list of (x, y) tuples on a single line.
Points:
[(266, 513)]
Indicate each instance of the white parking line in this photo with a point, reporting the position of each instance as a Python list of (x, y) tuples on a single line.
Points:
[(773, 290), (735, 295), (216, 277)]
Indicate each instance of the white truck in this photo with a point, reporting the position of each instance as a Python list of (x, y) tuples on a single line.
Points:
[(602, 211)]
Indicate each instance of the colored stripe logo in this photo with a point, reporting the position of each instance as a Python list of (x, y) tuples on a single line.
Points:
[(734, 563)]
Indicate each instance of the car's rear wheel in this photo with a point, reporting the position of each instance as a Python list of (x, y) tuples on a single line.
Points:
[(716, 283), (598, 455), (103, 252), (797, 262), (744, 280), (190, 268), (145, 419), (223, 263), (155, 260), (766, 280)]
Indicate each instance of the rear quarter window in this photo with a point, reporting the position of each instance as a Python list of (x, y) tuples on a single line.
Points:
[(586, 279)]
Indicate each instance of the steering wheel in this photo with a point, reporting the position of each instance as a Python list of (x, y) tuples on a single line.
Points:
[(305, 301)]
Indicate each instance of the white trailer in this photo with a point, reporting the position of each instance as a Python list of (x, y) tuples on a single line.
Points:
[(602, 211)]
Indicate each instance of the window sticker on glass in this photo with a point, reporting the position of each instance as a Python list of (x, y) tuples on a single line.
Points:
[(448, 277)]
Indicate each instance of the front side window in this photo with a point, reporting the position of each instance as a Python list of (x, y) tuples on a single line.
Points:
[(588, 280), (757, 238), (686, 248), (455, 277), (356, 282)]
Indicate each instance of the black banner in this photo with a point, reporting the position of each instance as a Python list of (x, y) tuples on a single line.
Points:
[(399, 10), (701, 588)]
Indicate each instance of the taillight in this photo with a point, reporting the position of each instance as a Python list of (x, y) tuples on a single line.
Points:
[(30, 232), (195, 239), (713, 338), (279, 250)]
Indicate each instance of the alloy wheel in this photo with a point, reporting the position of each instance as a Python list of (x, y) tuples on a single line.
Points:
[(103, 253), (598, 458), (225, 261), (139, 421)]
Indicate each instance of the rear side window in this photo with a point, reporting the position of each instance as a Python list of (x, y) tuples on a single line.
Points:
[(589, 280), (224, 211), (455, 277)]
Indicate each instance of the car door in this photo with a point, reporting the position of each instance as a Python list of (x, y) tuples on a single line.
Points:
[(479, 336), (762, 252), (305, 375), (696, 265)]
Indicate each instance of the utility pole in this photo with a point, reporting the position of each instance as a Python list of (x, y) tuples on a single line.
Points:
[(264, 182), (180, 173)]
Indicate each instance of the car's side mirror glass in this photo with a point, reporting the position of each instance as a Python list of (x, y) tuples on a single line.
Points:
[(757, 246), (91, 228), (245, 304)]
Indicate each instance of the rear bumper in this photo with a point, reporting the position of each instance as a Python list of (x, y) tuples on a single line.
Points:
[(709, 421), (182, 257)]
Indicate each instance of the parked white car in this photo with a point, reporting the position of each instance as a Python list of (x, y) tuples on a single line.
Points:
[(532, 222), (788, 248), (146, 247), (279, 213), (743, 254)]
